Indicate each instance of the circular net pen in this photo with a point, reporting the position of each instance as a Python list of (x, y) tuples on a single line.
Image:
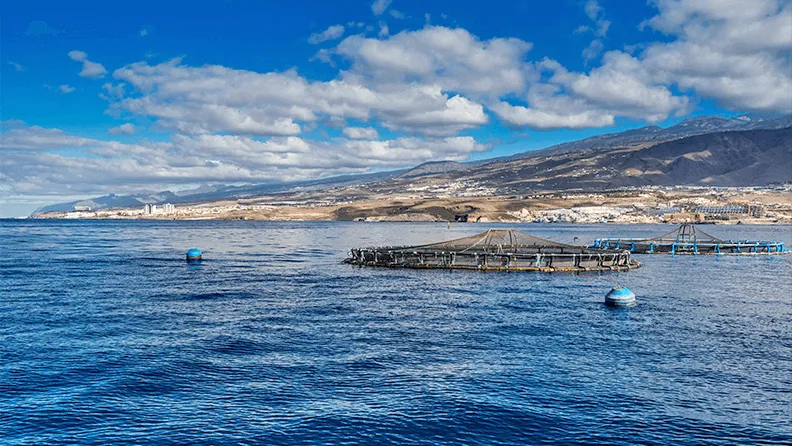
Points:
[(496, 250), (687, 239)]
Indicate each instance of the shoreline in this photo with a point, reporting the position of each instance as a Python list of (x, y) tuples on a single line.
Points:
[(642, 206)]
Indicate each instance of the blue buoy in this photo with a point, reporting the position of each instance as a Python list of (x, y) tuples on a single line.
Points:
[(193, 255), (620, 296)]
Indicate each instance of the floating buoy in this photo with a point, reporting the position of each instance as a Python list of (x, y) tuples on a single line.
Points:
[(620, 296), (193, 255)]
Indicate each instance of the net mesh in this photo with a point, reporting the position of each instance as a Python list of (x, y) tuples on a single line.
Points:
[(494, 239), (688, 233)]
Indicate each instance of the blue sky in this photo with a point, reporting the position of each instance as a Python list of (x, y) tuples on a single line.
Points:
[(98, 98)]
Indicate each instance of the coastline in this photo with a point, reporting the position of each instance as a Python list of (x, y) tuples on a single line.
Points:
[(642, 206)]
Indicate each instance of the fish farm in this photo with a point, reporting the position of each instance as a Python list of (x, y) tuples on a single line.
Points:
[(496, 250), (687, 239)]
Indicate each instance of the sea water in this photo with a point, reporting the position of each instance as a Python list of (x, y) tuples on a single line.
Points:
[(107, 336)]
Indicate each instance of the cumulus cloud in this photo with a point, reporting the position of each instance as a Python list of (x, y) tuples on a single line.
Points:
[(123, 129), (65, 89), (739, 53), (113, 91), (360, 133), (18, 136), (379, 6), (89, 69), (520, 116), (621, 86), (426, 86), (453, 58), (331, 33), (31, 152), (211, 99)]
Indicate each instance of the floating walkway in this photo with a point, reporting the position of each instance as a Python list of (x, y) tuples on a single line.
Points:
[(496, 250), (687, 239)]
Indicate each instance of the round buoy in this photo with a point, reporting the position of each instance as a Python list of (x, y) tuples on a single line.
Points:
[(620, 297), (193, 255)]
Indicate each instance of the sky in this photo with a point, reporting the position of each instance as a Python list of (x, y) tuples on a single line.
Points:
[(99, 97)]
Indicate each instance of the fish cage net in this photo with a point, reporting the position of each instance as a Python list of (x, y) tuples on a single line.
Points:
[(688, 239), (498, 250)]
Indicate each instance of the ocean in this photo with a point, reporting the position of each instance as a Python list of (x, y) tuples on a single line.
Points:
[(107, 336)]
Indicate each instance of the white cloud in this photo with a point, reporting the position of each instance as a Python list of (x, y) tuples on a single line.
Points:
[(212, 99), (621, 86), (360, 133), (114, 91), (379, 6), (453, 58), (384, 31), (593, 50), (31, 164), (123, 129), (331, 33), (426, 86), (16, 66), (22, 137), (595, 12), (520, 116), (737, 52), (65, 89), (89, 69), (396, 14), (144, 32)]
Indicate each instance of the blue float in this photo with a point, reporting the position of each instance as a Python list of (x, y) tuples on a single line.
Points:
[(620, 296), (194, 255)]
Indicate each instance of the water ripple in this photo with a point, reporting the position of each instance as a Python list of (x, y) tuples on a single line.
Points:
[(110, 337)]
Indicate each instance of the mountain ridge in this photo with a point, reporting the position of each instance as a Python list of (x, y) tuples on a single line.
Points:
[(601, 148)]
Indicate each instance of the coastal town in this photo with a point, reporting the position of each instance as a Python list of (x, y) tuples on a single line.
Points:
[(469, 202)]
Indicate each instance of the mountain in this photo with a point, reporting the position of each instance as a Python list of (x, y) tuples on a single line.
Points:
[(207, 193), (111, 201), (736, 158), (203, 189), (434, 167), (653, 134), (742, 151)]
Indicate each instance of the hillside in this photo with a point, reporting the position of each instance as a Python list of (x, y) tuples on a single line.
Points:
[(740, 158), (652, 134), (758, 156)]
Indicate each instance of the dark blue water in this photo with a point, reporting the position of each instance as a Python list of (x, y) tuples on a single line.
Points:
[(108, 337)]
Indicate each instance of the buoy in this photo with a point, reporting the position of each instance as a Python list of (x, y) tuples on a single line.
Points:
[(620, 296), (193, 255)]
